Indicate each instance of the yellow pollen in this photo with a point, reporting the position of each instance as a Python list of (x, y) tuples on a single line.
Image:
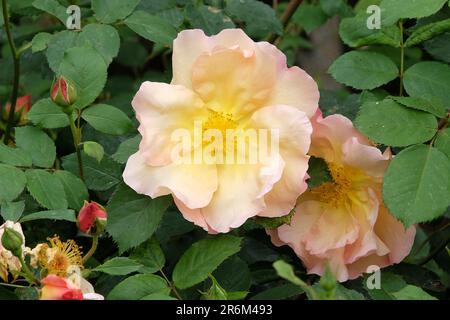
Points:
[(220, 121), (336, 192), (62, 256)]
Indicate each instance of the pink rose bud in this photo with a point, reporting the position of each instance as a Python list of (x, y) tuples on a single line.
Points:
[(63, 92), (92, 218), (23, 106), (57, 288)]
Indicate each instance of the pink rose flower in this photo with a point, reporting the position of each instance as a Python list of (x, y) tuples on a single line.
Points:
[(344, 222), (225, 82), (92, 218), (58, 288), (72, 288)]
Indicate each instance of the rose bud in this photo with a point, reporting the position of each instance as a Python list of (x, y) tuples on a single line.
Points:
[(23, 106), (92, 218), (12, 241), (58, 288), (63, 92)]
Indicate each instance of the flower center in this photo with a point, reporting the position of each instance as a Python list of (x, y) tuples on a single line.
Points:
[(61, 256), (220, 121), (336, 192)]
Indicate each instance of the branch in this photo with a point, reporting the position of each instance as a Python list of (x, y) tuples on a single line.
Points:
[(286, 17), (16, 61)]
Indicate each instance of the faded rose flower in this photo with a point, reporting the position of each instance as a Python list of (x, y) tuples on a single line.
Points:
[(344, 222)]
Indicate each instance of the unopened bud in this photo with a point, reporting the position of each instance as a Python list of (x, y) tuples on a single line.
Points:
[(63, 92), (92, 218), (12, 241)]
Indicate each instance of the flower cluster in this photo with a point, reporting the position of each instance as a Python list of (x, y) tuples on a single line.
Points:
[(55, 267), (228, 82)]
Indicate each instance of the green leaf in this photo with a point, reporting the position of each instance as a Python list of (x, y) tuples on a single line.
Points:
[(209, 19), (87, 69), (273, 223), (394, 10), (354, 32), (172, 225), (280, 292), (107, 119), (37, 144), (202, 258), (13, 182), (58, 44), (158, 296), (109, 11), (439, 47), (52, 7), (336, 7), (105, 39), (46, 114), (421, 247), (442, 142), (416, 185), (46, 189), (429, 78), (133, 218), (286, 271), (430, 104), (364, 70), (94, 150), (309, 16), (151, 27), (139, 286), (215, 292), (126, 149), (389, 283), (14, 156), (40, 41), (412, 293), (99, 176), (234, 275), (259, 18), (12, 211), (119, 266), (427, 32), (74, 188), (150, 256), (342, 293), (62, 214), (391, 124), (318, 172)]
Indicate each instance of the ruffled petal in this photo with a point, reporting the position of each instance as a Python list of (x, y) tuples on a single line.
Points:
[(190, 44), (232, 82), (162, 109), (240, 195), (294, 130), (193, 184)]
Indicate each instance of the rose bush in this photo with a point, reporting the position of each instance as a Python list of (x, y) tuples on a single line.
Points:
[(224, 150)]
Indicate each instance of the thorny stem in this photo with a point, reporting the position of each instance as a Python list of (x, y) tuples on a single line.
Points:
[(172, 287), (91, 250), (16, 61), (402, 57), (286, 17), (76, 142)]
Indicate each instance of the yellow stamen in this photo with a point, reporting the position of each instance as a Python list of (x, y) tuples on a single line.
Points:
[(336, 193), (60, 256)]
